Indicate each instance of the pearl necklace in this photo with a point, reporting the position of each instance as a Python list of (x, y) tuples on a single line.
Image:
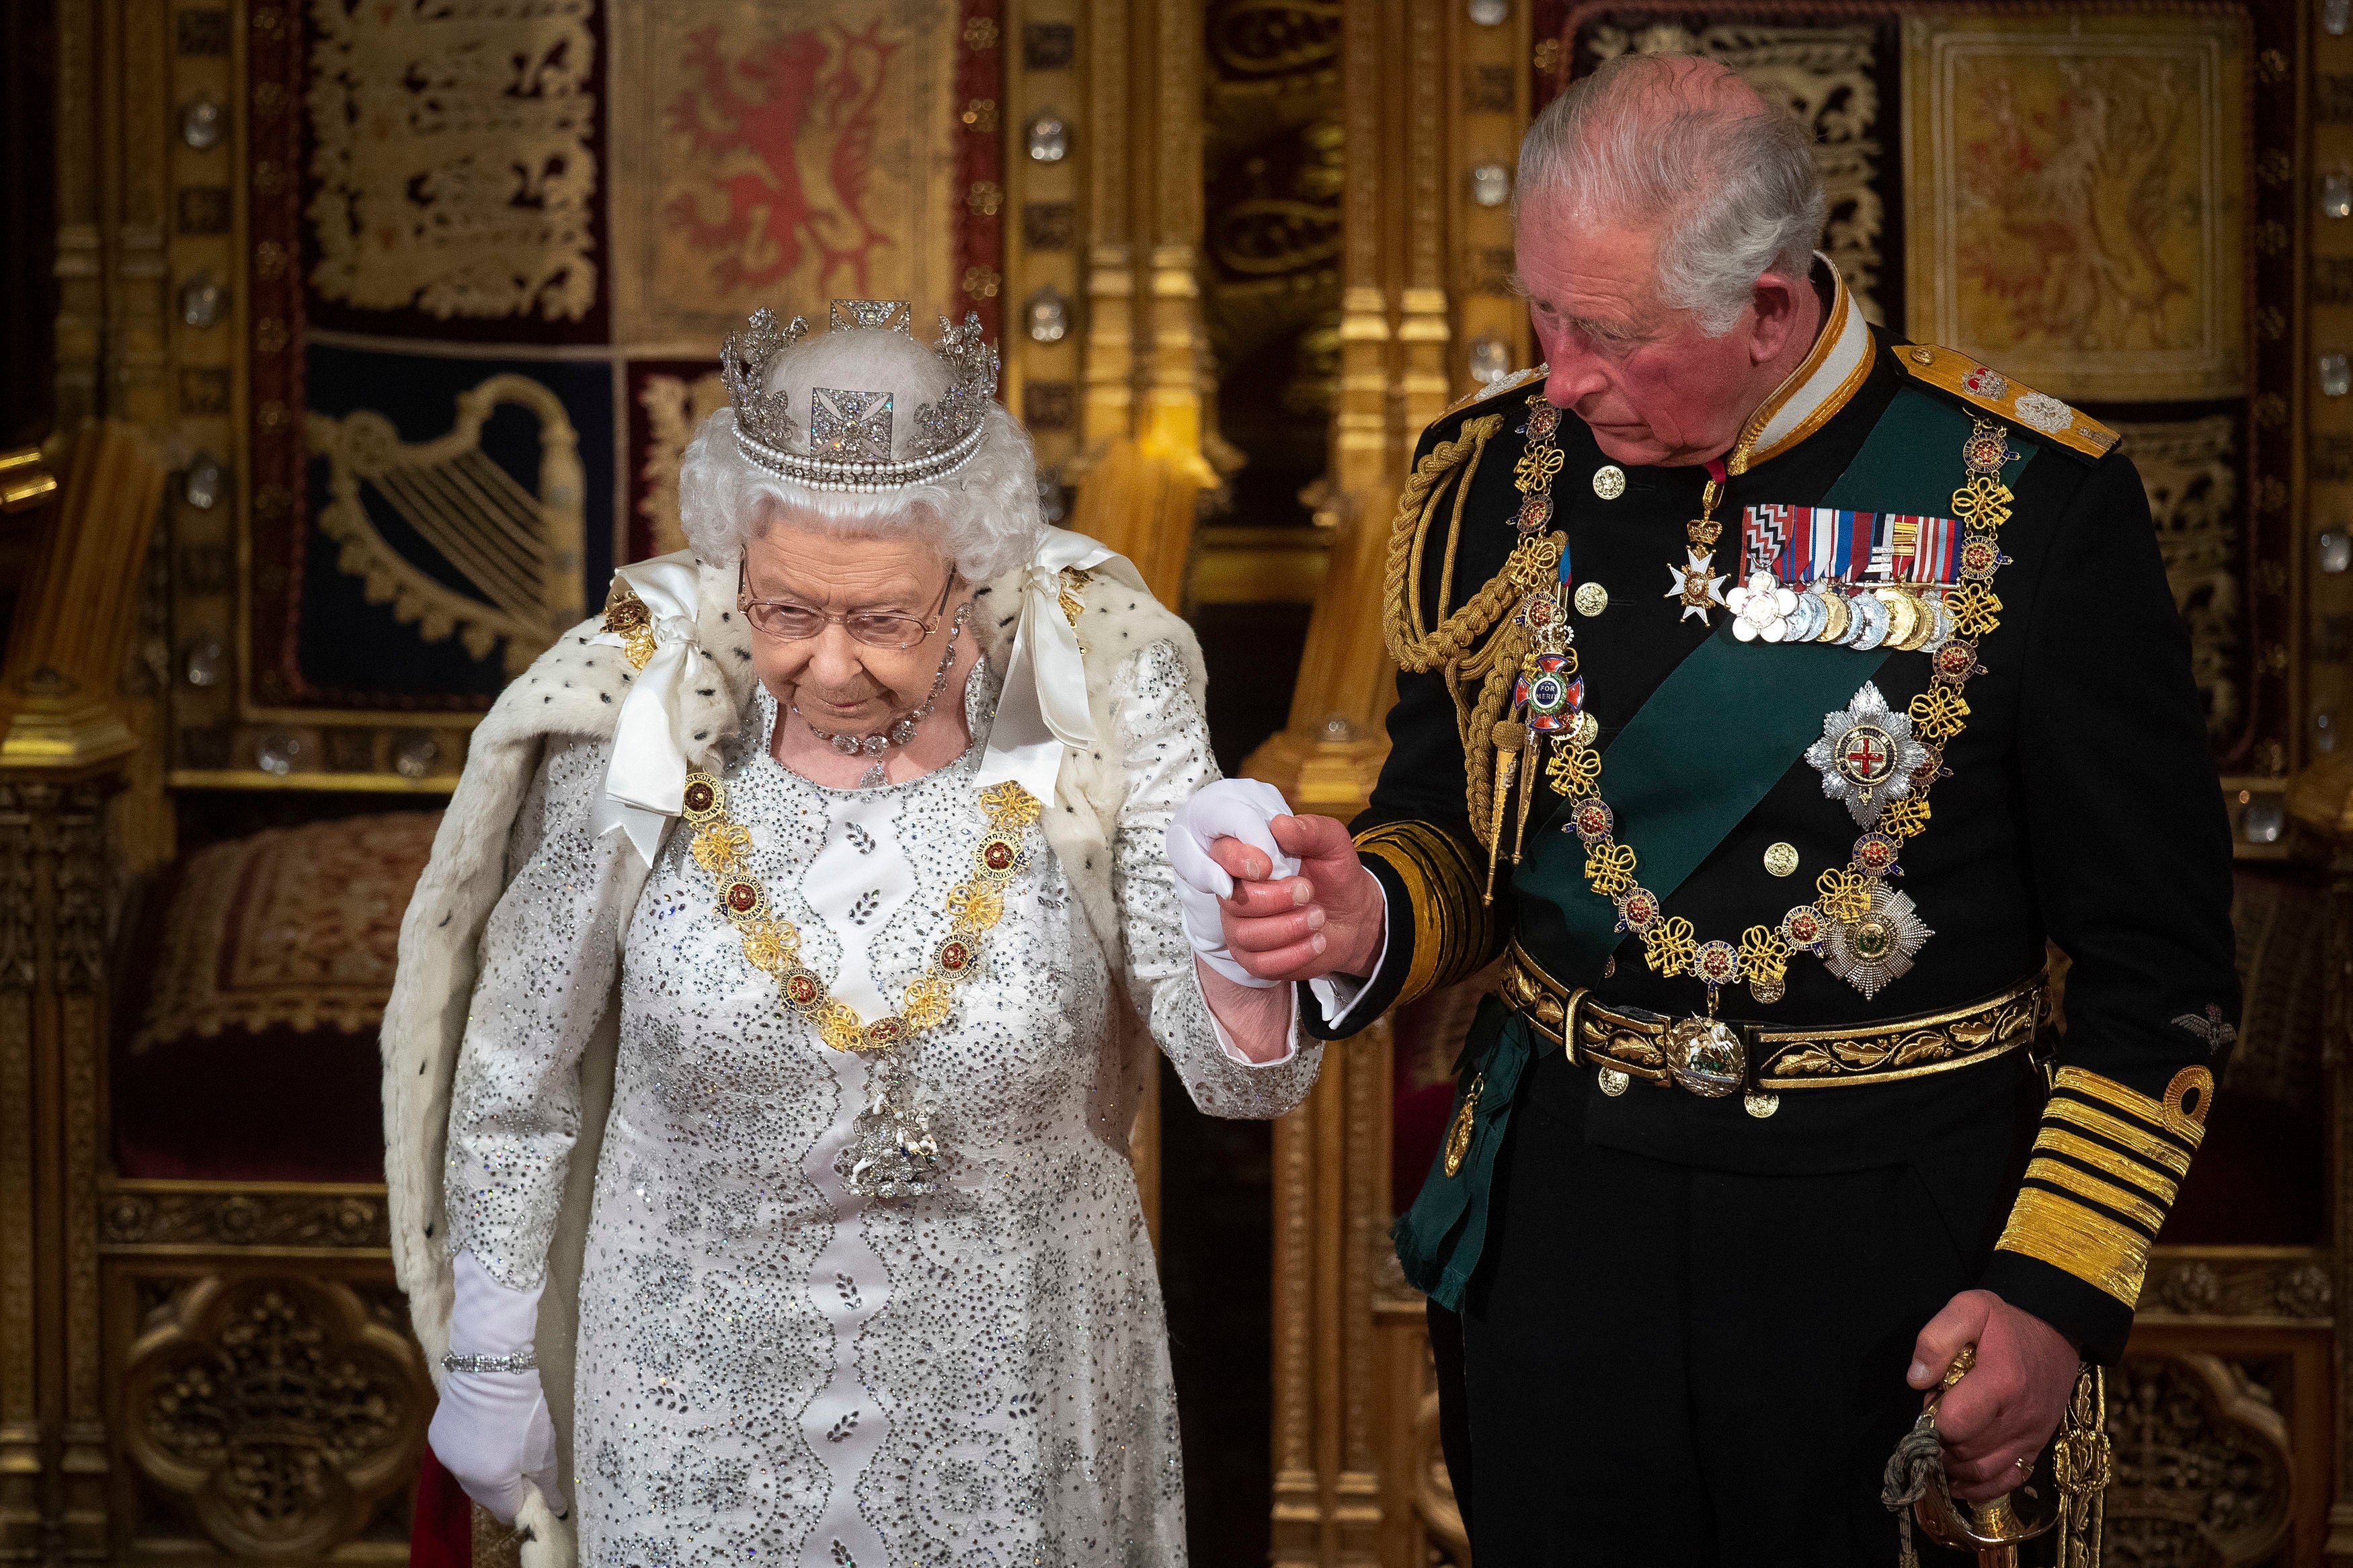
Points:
[(902, 730)]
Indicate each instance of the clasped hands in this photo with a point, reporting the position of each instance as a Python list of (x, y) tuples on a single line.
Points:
[(1293, 902)]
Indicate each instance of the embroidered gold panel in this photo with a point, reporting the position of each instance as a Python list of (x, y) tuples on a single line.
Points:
[(667, 407), (453, 158), (2190, 469), (770, 154), (2075, 198)]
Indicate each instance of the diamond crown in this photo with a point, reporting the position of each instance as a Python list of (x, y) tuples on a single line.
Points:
[(846, 443)]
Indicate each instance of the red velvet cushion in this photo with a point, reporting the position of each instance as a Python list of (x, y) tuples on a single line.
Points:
[(255, 984)]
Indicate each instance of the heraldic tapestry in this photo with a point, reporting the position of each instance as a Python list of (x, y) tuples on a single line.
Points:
[(492, 252)]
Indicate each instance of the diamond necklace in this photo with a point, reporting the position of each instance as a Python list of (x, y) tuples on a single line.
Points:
[(902, 730)]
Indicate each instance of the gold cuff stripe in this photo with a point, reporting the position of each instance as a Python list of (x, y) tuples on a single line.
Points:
[(2157, 1186), (1451, 929), (2130, 1135), (2079, 1241), (2107, 1091), (2124, 1202)]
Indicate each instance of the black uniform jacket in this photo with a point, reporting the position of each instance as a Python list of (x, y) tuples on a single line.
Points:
[(2080, 807)]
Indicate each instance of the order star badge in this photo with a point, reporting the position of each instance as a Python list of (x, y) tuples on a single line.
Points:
[(1867, 755), (1877, 948), (1699, 591)]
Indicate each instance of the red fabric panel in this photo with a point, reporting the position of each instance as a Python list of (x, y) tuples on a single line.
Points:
[(442, 1533)]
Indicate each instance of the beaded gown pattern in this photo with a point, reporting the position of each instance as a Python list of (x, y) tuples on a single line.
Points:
[(772, 1368)]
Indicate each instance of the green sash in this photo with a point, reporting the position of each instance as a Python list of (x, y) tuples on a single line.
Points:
[(1719, 731), (1717, 734)]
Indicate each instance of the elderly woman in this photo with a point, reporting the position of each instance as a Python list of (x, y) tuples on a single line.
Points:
[(778, 993)]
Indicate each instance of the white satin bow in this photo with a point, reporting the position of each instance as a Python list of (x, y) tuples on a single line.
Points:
[(645, 779), (1043, 707)]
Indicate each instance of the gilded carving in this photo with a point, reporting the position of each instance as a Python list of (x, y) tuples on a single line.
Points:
[(171, 1214), (2224, 1283), (1826, 76), (519, 549), (2190, 469), (2202, 1465), (2075, 196), (453, 157), (281, 1410), (675, 409)]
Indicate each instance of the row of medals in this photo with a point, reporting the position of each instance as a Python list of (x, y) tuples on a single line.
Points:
[(1703, 1055)]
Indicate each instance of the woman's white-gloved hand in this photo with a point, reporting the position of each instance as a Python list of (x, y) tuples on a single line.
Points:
[(492, 1430), (1223, 808)]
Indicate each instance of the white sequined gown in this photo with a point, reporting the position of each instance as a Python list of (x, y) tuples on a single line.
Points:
[(772, 1370)]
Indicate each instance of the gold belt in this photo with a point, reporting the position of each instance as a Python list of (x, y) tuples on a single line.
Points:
[(1713, 1057)]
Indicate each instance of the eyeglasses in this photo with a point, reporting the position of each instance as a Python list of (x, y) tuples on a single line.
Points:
[(789, 622)]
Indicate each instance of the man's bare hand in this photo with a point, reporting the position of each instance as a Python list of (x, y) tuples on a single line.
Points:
[(2008, 1405), (1325, 920)]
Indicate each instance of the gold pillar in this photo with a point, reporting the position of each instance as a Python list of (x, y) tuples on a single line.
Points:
[(1142, 468)]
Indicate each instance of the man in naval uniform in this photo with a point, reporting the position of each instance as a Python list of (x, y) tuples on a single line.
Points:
[(1789, 685)]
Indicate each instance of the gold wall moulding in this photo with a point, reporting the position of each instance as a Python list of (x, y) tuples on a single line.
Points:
[(2075, 196), (780, 154), (2191, 472), (2241, 1283), (139, 1215), (281, 1409), (520, 551), (454, 159)]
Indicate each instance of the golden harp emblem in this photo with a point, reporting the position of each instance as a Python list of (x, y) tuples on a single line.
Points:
[(520, 551)]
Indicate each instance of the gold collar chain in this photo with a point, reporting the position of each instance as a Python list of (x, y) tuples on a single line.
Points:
[(773, 944), (1857, 925)]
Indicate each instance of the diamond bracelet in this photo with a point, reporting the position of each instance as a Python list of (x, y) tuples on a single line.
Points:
[(521, 1360)]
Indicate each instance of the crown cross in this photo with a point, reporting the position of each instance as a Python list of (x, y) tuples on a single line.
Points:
[(849, 441)]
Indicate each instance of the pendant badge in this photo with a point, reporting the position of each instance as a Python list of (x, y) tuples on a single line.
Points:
[(1704, 1056), (1868, 754), (893, 1152)]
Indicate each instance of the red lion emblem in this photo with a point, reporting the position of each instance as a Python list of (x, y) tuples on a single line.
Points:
[(789, 132)]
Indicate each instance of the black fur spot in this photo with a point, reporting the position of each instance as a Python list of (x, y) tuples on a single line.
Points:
[(547, 700), (603, 697), (703, 690), (743, 653), (699, 734), (724, 616), (582, 641), (447, 919), (429, 1230)]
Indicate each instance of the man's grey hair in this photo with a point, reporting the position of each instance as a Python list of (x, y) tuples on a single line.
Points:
[(984, 519), (1736, 193)]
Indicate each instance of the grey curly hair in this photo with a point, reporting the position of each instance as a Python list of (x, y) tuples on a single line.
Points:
[(984, 518), (1737, 192)]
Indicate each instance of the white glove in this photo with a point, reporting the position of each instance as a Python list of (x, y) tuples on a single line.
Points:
[(491, 1430), (1223, 808)]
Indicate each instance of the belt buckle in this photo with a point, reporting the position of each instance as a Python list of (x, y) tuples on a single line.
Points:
[(1704, 1056)]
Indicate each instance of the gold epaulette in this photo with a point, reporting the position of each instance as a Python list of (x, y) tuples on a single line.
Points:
[(1496, 388), (2106, 1166), (1991, 390)]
